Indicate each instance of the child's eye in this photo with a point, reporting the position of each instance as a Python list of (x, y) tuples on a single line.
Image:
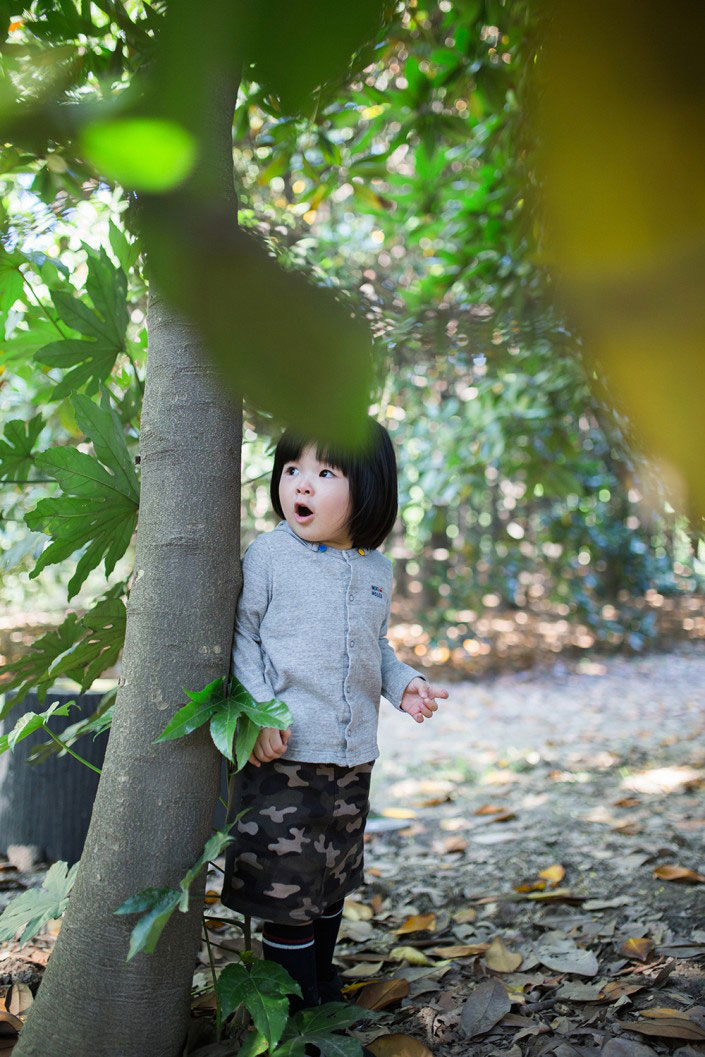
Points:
[(289, 469), (328, 471)]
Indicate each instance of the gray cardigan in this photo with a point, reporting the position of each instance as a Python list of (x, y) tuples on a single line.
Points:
[(311, 629)]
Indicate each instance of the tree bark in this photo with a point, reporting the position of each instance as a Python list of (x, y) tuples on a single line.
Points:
[(154, 806)]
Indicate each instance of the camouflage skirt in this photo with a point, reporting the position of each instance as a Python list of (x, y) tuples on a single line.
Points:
[(299, 847)]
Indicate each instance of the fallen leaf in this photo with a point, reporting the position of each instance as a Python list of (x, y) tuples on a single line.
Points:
[(616, 988), (398, 812), (557, 895), (452, 844), (505, 816), (577, 991), (398, 1046), (500, 959), (386, 993), (8, 1022), (678, 873), (638, 948), (626, 1048), (627, 801), (376, 903), (485, 1007), (362, 969), (489, 809), (462, 917), (554, 873), (674, 1026), (460, 950), (355, 911), (211, 896), (418, 923), (18, 999), (566, 957), (410, 955)]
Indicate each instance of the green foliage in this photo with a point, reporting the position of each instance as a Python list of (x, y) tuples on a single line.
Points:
[(31, 721), (34, 908), (319, 1027), (98, 510), (148, 154), (157, 904), (90, 361), (80, 649), (16, 451), (263, 988), (227, 708)]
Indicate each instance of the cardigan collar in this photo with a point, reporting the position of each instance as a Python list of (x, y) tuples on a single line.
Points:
[(349, 552)]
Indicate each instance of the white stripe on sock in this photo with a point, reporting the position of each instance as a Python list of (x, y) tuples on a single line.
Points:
[(288, 946)]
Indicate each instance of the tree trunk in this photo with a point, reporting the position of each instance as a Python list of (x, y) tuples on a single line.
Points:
[(154, 805)]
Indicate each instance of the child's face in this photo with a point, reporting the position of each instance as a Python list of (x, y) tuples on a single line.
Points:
[(325, 491)]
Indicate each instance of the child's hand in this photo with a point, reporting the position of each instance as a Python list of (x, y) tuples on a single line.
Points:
[(418, 699), (270, 745)]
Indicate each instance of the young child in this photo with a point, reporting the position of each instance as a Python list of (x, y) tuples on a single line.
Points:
[(311, 630)]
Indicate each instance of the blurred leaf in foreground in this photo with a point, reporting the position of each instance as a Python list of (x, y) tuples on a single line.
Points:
[(620, 121)]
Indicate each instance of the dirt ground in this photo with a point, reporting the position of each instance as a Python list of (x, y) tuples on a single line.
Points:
[(535, 869)]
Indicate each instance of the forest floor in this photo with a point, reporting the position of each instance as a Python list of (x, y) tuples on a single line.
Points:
[(535, 871)]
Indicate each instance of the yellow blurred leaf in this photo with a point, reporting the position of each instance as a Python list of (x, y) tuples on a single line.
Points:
[(398, 812), (410, 955), (637, 948), (460, 950), (554, 873), (678, 873), (381, 995), (418, 923), (500, 959), (355, 911)]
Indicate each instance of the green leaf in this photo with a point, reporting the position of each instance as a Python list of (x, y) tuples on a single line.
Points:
[(99, 505), (145, 154), (103, 634), (262, 988), (39, 905), (93, 360), (80, 649), (247, 733), (214, 846), (254, 1045), (159, 904), (31, 721), (16, 455), (199, 709), (223, 724), (319, 1027), (240, 710), (11, 283)]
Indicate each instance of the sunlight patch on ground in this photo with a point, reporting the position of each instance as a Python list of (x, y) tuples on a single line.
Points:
[(663, 779)]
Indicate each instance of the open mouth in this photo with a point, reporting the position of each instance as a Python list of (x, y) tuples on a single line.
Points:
[(302, 513)]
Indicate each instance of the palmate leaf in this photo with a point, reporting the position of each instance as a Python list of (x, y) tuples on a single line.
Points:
[(80, 649), (39, 905), (320, 1027), (99, 505), (262, 987), (229, 711), (16, 455), (198, 710), (104, 327), (157, 904)]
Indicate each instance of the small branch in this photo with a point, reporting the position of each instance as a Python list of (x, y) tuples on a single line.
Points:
[(39, 303), (139, 381), (70, 751), (215, 982)]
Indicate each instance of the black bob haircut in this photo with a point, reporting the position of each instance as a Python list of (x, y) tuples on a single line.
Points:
[(371, 471)]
